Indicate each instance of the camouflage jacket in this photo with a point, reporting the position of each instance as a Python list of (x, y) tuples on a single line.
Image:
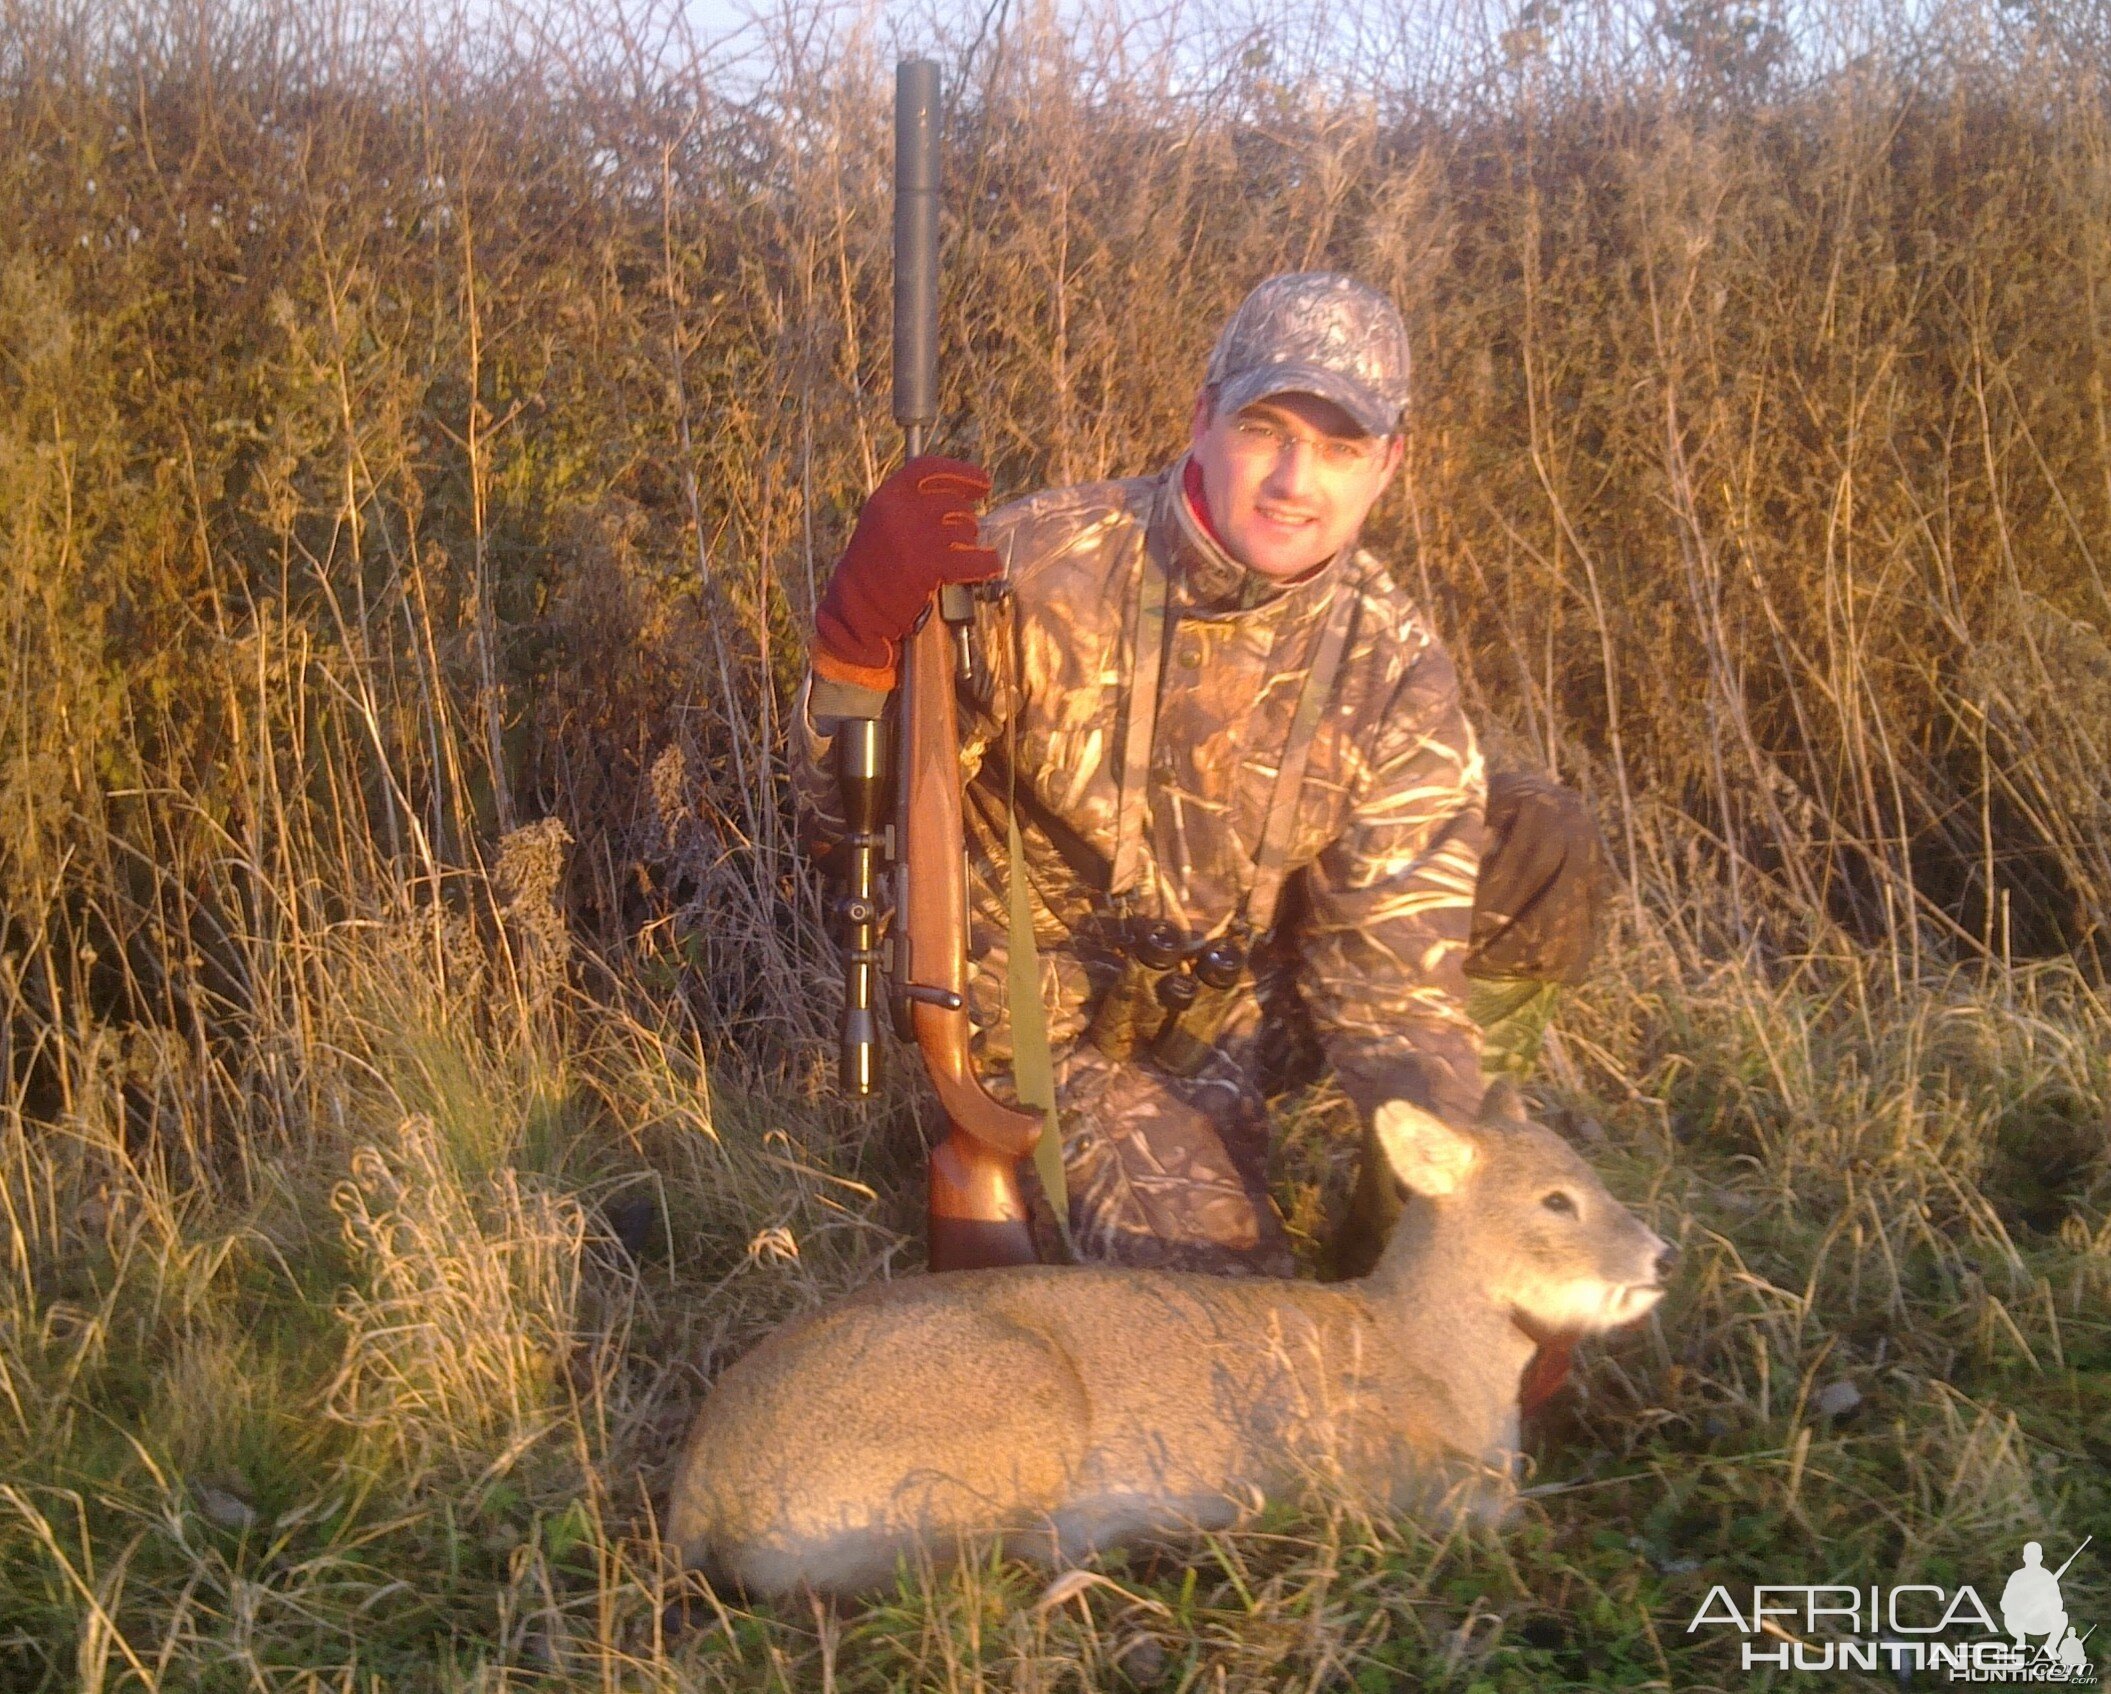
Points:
[(1387, 834)]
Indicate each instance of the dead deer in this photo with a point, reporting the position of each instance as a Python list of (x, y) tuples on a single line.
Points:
[(1064, 1410)]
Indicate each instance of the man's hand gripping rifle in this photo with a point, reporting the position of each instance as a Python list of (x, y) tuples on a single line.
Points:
[(896, 618)]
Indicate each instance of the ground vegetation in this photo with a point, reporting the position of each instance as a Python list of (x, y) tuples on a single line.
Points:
[(422, 434)]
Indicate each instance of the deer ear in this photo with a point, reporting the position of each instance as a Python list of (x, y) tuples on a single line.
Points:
[(1503, 1104), (1425, 1152)]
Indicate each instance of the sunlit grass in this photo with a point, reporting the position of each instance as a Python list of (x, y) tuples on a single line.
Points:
[(415, 469)]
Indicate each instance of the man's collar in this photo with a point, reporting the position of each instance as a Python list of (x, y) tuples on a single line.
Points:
[(1204, 576)]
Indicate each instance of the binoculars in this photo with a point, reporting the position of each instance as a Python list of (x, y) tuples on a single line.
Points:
[(1171, 998)]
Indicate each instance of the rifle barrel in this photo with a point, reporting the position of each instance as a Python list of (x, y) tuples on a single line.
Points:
[(2071, 1557), (916, 248)]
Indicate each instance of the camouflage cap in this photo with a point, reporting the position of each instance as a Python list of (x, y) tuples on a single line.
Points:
[(1315, 332)]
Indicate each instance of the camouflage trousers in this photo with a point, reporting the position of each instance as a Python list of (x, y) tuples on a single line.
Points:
[(1172, 1171)]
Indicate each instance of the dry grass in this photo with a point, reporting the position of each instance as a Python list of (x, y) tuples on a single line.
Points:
[(420, 438)]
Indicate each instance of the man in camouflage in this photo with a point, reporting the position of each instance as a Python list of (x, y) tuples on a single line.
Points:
[(1172, 653)]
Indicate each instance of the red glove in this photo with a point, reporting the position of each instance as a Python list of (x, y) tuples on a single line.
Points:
[(917, 530)]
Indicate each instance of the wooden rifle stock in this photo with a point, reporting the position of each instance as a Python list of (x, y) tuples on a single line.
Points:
[(977, 1214), (934, 915)]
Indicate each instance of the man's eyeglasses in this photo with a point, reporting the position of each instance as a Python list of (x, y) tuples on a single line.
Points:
[(1261, 439)]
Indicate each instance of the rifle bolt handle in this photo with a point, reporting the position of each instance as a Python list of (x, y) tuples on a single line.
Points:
[(933, 996)]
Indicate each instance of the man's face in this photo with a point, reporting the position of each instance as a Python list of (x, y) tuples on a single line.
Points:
[(1289, 479)]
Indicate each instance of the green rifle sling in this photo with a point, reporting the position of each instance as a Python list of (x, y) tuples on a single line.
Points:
[(1033, 1067)]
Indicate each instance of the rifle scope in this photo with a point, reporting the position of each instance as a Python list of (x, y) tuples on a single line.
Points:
[(861, 778)]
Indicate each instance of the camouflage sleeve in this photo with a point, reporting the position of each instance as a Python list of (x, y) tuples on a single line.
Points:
[(811, 751), (1383, 948), (823, 701)]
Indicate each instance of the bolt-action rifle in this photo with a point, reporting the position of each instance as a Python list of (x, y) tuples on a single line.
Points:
[(977, 1213)]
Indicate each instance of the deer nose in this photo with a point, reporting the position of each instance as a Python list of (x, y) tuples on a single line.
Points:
[(1666, 1258)]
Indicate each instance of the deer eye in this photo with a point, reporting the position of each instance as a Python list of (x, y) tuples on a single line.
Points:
[(1559, 1204)]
